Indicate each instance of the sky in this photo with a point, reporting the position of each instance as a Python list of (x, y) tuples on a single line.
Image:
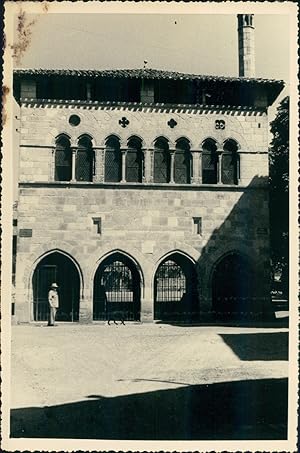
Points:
[(198, 43)]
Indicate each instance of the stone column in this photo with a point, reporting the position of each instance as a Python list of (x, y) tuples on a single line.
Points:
[(238, 166), (197, 166), (146, 160), (99, 164), (52, 165), (150, 164), (219, 167), (73, 149), (85, 307), (147, 306), (123, 153), (172, 154)]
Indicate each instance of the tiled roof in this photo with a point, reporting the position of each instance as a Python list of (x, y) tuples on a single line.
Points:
[(142, 73)]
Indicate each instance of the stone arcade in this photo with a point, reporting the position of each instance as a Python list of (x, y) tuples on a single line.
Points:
[(144, 193)]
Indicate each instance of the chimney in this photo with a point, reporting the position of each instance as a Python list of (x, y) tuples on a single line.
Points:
[(246, 45)]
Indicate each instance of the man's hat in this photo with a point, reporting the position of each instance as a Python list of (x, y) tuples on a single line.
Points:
[(54, 285)]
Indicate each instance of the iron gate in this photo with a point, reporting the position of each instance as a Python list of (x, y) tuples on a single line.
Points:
[(60, 269), (43, 277), (173, 292), (117, 291), (232, 287)]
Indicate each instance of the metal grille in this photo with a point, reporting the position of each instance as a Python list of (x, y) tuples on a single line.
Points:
[(134, 165), (170, 282), (116, 292), (56, 268), (84, 165), (233, 285), (209, 168), (229, 168), (182, 167), (43, 277), (113, 164), (117, 281), (63, 163), (161, 165)]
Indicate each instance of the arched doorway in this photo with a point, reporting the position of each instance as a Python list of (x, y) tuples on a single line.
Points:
[(233, 287), (117, 289), (175, 289), (58, 268)]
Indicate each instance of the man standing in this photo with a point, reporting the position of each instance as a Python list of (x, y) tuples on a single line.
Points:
[(53, 303)]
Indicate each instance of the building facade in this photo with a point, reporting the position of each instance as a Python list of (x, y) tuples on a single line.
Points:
[(143, 194)]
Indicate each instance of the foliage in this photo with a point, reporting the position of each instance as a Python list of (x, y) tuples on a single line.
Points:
[(279, 192)]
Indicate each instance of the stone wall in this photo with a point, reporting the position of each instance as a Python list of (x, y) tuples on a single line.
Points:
[(144, 221), (42, 123)]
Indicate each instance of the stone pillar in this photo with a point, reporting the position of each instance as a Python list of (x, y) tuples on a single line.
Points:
[(123, 153), (172, 154), (146, 165), (197, 166), (238, 167), (52, 165), (149, 165), (28, 89), (99, 164), (219, 167), (147, 306), (73, 149), (147, 91), (85, 307)]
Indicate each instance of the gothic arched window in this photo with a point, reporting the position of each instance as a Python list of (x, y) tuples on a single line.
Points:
[(182, 162), (161, 170), (230, 162), (209, 162), (63, 159), (134, 160), (113, 160), (84, 160)]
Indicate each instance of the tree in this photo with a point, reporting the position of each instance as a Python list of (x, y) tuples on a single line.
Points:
[(279, 193)]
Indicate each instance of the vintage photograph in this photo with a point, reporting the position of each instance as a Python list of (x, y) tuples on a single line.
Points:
[(150, 298)]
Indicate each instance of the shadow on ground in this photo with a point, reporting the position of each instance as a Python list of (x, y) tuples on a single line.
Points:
[(254, 409), (276, 323), (258, 346)]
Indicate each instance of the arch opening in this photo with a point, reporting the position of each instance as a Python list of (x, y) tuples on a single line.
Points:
[(175, 289), (117, 290), (182, 162), (162, 161), (230, 162), (63, 159), (233, 286), (113, 160), (84, 159), (58, 268), (209, 162)]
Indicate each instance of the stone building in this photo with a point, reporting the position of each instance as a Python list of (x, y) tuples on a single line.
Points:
[(144, 193)]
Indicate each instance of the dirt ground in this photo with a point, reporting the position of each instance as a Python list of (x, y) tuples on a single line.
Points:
[(149, 381)]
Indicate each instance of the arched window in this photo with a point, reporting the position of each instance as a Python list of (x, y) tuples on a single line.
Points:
[(230, 161), (113, 160), (209, 162), (84, 160), (134, 160), (175, 289), (161, 171), (117, 289), (182, 162), (63, 159)]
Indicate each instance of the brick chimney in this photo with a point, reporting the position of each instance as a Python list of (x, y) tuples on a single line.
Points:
[(246, 45)]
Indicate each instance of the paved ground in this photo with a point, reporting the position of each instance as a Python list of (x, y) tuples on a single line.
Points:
[(149, 382)]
